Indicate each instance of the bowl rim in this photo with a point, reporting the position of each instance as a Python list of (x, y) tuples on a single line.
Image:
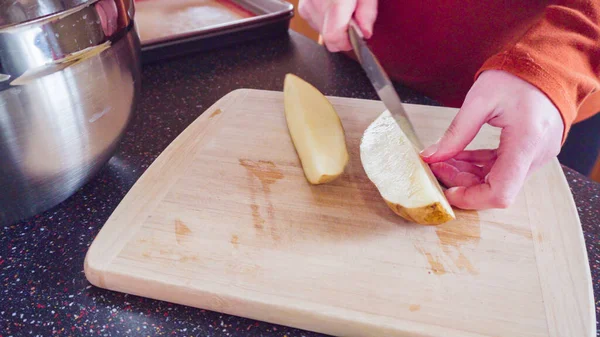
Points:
[(47, 18)]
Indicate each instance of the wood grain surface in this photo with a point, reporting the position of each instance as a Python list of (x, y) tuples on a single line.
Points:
[(224, 220)]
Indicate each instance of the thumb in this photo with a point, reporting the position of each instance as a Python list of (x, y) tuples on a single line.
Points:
[(460, 133)]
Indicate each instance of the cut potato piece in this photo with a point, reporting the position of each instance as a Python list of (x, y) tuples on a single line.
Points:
[(403, 179), (316, 131)]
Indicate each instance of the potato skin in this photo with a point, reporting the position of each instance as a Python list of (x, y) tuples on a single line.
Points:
[(430, 215)]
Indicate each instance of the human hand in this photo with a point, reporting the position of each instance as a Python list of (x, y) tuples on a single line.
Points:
[(108, 15), (331, 18), (532, 131)]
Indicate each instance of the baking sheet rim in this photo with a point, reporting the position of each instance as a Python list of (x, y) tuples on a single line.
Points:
[(218, 27)]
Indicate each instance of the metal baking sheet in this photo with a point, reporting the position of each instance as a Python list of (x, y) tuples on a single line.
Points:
[(164, 31)]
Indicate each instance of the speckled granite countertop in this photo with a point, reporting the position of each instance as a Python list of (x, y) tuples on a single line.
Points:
[(43, 290)]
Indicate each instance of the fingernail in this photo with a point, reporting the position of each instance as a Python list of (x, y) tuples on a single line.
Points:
[(450, 193), (453, 190), (428, 152)]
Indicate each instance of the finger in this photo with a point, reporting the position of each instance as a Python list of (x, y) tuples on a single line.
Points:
[(482, 159), (477, 156), (365, 14), (506, 176), (464, 166), (305, 9), (335, 26), (486, 168), (460, 133), (308, 12), (450, 176), (107, 13)]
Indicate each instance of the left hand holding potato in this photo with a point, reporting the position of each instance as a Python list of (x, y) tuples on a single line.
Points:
[(532, 131)]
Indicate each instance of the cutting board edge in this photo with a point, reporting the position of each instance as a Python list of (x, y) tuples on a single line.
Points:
[(94, 266), (590, 288), (580, 262), (95, 273), (337, 321)]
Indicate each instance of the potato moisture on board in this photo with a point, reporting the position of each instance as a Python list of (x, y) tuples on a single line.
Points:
[(527, 67), (316, 131)]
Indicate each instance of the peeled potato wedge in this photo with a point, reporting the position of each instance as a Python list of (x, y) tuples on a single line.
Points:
[(316, 131), (403, 179)]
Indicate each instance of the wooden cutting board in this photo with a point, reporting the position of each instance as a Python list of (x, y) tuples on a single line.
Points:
[(224, 220)]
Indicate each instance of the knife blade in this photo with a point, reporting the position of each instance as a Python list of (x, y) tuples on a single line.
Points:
[(382, 84)]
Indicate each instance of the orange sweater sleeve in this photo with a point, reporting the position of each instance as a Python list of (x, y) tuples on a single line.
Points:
[(560, 55)]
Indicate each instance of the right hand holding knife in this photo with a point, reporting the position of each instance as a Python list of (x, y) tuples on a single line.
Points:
[(332, 17)]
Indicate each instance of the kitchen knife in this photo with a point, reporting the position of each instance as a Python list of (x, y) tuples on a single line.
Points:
[(381, 83)]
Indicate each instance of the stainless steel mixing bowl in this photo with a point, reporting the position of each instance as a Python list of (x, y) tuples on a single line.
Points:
[(69, 82)]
